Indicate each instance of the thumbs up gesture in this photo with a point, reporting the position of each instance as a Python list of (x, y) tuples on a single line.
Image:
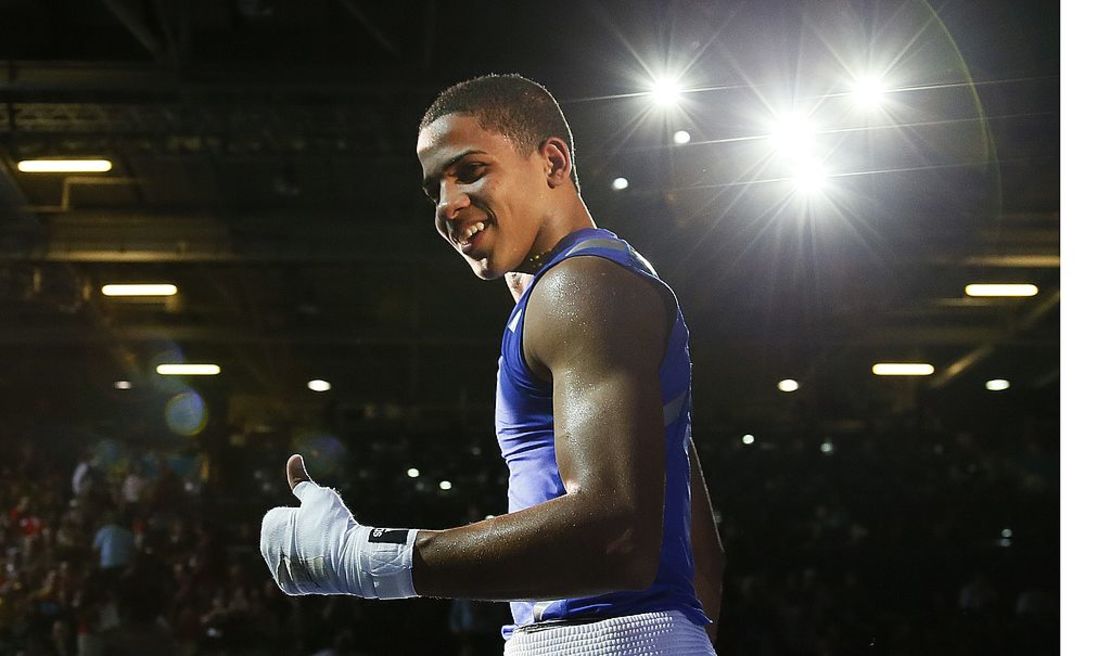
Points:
[(319, 548)]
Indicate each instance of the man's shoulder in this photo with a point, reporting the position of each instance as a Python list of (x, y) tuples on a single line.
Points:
[(591, 303), (590, 283)]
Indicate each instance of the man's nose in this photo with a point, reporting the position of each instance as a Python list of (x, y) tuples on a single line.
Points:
[(453, 202)]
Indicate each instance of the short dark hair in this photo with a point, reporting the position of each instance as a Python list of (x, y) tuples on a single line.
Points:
[(512, 105)]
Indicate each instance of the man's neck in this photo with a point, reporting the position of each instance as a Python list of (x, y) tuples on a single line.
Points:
[(555, 229)]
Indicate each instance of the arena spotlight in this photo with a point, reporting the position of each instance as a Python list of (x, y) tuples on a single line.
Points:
[(810, 177), (682, 137), (1008, 290), (620, 184), (139, 290), (793, 135), (868, 91), (412, 472), (998, 385), (1007, 533), (187, 369), (64, 166), (665, 92), (445, 485), (122, 384), (748, 439), (319, 385), (788, 385), (902, 369)]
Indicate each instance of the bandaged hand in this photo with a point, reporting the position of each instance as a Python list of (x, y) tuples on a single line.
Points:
[(319, 548)]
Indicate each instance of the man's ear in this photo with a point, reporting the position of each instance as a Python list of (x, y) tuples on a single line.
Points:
[(556, 157)]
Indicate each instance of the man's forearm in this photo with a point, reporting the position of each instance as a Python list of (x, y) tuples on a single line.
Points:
[(566, 547)]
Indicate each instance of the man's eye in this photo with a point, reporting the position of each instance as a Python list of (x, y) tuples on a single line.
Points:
[(470, 172)]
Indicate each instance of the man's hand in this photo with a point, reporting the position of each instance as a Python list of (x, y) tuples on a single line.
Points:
[(319, 548)]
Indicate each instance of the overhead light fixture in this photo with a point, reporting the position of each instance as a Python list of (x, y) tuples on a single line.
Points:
[(868, 91), (445, 485), (139, 290), (810, 177), (902, 369), (319, 385), (794, 135), (998, 385), (682, 137), (665, 92), (748, 439), (1009, 290), (788, 385), (412, 472), (122, 384), (620, 184), (188, 369), (64, 166)]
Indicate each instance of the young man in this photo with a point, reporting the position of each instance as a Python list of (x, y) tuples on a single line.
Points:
[(609, 544)]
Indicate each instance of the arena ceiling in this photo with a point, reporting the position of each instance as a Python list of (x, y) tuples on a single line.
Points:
[(263, 163)]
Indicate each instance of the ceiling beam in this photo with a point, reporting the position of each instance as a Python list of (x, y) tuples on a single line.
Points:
[(984, 350), (135, 24), (361, 17)]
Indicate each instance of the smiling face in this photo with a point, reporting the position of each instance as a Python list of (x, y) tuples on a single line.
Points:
[(489, 199)]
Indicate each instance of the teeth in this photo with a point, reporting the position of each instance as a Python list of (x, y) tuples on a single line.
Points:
[(471, 231)]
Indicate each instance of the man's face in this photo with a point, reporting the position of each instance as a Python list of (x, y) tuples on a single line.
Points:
[(489, 199)]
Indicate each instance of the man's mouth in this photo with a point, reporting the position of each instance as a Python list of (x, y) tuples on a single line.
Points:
[(468, 239)]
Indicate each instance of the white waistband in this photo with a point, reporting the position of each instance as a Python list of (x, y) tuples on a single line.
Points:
[(662, 633)]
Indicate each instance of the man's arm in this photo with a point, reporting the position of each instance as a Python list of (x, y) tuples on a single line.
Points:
[(598, 332), (709, 553)]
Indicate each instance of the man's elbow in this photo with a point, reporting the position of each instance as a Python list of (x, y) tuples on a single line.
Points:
[(632, 553)]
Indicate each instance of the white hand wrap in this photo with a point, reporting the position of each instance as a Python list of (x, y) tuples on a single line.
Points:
[(319, 548)]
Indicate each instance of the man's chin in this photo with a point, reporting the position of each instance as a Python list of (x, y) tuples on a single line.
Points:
[(485, 270)]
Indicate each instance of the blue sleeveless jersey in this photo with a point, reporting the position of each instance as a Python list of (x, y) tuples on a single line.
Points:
[(525, 433)]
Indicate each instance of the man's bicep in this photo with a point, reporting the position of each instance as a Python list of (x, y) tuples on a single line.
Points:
[(599, 331)]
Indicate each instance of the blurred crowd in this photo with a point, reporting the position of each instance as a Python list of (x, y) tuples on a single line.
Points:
[(893, 540)]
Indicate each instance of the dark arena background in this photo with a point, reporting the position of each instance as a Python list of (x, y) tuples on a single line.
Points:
[(821, 182)]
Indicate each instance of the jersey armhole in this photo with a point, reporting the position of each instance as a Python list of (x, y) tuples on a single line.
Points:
[(666, 295)]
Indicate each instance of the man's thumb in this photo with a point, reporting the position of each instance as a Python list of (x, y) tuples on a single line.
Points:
[(296, 473)]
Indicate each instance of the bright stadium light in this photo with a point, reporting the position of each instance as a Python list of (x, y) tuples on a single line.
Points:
[(665, 92), (139, 290), (868, 91), (748, 439), (810, 177), (64, 166), (122, 384), (445, 485), (620, 184), (998, 385), (902, 369), (682, 137), (188, 369), (983, 289), (788, 385), (793, 135), (412, 472), (319, 385)]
